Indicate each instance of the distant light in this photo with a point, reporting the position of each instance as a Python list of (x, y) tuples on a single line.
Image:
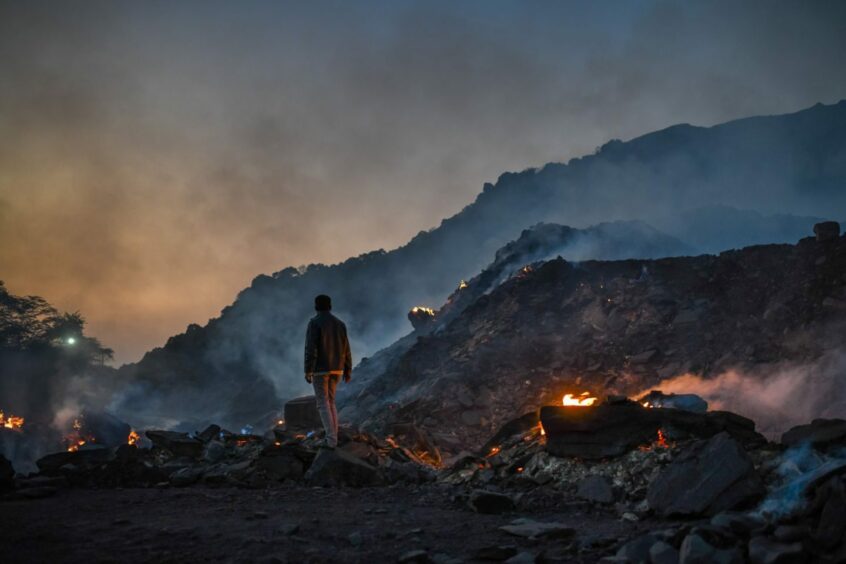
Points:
[(71, 340)]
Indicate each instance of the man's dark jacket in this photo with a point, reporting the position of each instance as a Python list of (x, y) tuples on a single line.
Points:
[(327, 348)]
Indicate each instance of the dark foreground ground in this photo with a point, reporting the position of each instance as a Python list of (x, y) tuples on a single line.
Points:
[(295, 524)]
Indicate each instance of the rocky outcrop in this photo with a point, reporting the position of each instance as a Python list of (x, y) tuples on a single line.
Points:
[(710, 477)]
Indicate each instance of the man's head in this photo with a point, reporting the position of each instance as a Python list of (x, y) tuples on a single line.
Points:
[(322, 303)]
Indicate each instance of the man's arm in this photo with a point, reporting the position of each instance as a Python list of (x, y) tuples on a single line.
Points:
[(347, 358), (310, 351)]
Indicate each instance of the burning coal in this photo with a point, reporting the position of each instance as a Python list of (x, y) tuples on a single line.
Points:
[(582, 400)]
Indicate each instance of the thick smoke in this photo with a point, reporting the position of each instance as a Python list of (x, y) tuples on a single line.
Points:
[(776, 396)]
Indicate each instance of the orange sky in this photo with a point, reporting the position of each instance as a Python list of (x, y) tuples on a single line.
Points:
[(155, 157)]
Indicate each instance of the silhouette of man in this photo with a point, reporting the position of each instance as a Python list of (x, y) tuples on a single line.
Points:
[(327, 359)]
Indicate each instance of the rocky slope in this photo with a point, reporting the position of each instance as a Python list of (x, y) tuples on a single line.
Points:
[(612, 327)]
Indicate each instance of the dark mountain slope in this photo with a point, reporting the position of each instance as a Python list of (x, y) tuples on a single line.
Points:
[(240, 364)]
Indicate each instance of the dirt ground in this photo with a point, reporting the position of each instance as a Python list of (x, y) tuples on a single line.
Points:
[(294, 524)]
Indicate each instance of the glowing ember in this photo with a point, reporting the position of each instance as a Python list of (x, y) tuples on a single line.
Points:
[(280, 422), (426, 310), (520, 470), (133, 438), (582, 400), (11, 421), (494, 451), (542, 430), (662, 441)]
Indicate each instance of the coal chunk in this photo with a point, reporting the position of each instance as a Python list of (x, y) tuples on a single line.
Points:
[(709, 477)]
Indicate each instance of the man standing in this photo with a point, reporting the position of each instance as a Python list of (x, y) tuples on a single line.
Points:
[(327, 358)]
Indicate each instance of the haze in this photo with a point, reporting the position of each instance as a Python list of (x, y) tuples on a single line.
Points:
[(156, 156)]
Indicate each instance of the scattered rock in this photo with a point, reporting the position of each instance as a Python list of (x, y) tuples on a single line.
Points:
[(524, 557), (766, 551), (709, 477), (696, 550), (528, 528), (637, 549), (597, 489), (495, 553), (663, 553), (414, 557), (483, 501)]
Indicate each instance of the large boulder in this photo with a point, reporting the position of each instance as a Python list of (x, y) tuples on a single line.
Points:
[(820, 433), (334, 467), (827, 231), (709, 477), (179, 444), (87, 456), (615, 428), (301, 414)]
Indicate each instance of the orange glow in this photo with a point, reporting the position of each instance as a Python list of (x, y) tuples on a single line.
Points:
[(495, 450), (11, 421), (133, 438), (662, 441), (582, 400), (542, 430)]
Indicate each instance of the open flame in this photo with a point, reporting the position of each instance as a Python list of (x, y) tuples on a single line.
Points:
[(133, 438), (11, 421), (462, 285), (582, 400), (76, 439), (424, 309)]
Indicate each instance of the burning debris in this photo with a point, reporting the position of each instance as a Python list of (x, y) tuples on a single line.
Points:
[(583, 400), (11, 421), (421, 316)]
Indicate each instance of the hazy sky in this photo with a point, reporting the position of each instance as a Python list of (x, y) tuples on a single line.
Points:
[(156, 156)]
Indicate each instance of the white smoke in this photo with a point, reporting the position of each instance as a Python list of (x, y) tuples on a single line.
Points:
[(776, 396)]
